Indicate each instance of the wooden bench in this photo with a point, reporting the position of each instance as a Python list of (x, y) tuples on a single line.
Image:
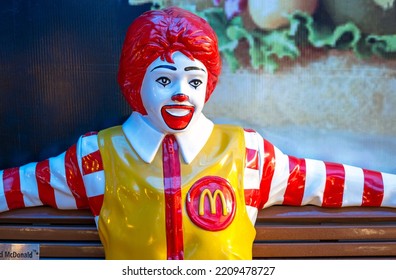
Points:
[(282, 232)]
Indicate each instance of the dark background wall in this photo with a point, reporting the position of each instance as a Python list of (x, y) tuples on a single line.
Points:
[(58, 68)]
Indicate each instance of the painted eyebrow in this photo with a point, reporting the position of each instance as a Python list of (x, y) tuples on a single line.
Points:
[(193, 68), (170, 67)]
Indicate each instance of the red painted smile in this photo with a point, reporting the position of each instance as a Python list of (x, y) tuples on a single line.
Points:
[(177, 117)]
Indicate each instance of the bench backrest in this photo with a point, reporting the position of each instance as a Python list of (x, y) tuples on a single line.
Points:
[(282, 232)]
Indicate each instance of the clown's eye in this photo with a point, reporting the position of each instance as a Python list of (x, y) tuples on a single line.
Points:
[(164, 81), (195, 83)]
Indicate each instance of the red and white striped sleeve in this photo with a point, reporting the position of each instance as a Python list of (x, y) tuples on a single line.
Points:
[(272, 177), (72, 180), (91, 166)]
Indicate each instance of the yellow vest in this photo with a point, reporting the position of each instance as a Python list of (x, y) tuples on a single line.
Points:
[(132, 219)]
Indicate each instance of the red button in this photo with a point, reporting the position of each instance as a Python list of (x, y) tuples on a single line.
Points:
[(211, 203)]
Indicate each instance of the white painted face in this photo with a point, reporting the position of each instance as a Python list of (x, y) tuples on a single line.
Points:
[(173, 94)]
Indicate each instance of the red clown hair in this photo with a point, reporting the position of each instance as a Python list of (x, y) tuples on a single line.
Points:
[(160, 33)]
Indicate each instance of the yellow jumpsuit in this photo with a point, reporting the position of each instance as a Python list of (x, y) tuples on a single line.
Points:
[(215, 224)]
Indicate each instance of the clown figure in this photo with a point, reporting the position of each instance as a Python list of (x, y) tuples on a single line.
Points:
[(169, 183)]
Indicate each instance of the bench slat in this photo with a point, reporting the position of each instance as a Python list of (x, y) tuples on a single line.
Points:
[(310, 214), (264, 232), (46, 215), (316, 250), (71, 250), (53, 233), (326, 232), (313, 214)]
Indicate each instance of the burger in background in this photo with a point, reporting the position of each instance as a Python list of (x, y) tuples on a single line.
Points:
[(271, 14)]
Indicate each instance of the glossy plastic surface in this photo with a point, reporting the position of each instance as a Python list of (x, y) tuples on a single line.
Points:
[(140, 221)]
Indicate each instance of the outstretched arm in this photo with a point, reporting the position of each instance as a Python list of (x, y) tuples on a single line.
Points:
[(287, 180), (72, 180)]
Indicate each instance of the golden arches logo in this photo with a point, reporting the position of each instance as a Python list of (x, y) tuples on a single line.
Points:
[(212, 202), (203, 203)]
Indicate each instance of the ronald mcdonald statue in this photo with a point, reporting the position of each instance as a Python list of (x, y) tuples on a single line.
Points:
[(169, 183)]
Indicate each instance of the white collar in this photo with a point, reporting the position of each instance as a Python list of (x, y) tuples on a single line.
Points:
[(146, 140)]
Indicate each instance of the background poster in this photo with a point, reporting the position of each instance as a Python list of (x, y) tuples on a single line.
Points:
[(316, 85)]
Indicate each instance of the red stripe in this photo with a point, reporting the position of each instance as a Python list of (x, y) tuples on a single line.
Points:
[(334, 188), (252, 159), (252, 197), (296, 183), (95, 204), (12, 188), (373, 191), (268, 173), (92, 163), (74, 178), (43, 177), (172, 189)]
